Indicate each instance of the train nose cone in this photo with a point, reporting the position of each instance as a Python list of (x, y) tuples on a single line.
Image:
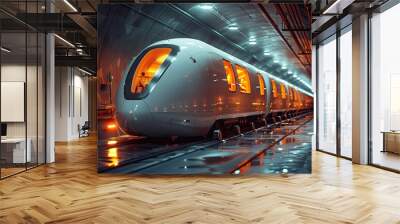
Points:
[(132, 115)]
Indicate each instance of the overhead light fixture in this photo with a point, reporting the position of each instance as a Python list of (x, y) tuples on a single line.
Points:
[(64, 40), (338, 6), (5, 50), (206, 6), (284, 67), (84, 71), (290, 72), (276, 61), (252, 42), (233, 27), (267, 53), (70, 5)]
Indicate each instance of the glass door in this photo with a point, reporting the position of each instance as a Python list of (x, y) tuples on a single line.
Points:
[(14, 153), (326, 101), (346, 92)]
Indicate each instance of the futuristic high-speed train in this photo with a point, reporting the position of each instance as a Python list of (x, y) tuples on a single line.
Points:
[(185, 87)]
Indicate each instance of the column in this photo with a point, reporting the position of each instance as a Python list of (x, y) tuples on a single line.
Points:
[(360, 90)]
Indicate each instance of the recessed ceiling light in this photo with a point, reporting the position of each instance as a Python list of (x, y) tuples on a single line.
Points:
[(267, 53), (70, 5), (84, 71), (233, 27), (276, 61), (64, 40), (5, 50), (206, 6), (290, 72), (252, 42)]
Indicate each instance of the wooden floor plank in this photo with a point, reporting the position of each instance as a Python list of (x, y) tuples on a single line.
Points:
[(71, 191)]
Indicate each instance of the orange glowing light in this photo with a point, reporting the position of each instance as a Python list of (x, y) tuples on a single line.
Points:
[(244, 80), (112, 142), (230, 76), (274, 89), (245, 168), (114, 162), (112, 152), (111, 126), (262, 85), (283, 91)]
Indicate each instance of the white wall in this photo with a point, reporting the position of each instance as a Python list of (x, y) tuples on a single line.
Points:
[(16, 72), (33, 127), (71, 102)]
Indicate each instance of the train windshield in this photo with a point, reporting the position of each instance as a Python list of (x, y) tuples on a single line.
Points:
[(147, 68)]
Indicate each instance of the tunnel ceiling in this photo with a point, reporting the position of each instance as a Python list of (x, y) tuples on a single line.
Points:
[(274, 37), (248, 33)]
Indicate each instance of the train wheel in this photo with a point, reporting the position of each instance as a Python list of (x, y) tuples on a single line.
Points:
[(253, 126), (217, 134), (237, 129), (264, 122)]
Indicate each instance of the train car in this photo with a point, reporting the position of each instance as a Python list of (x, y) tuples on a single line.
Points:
[(185, 87)]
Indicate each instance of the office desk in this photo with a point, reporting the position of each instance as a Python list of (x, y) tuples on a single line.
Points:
[(13, 150), (391, 141)]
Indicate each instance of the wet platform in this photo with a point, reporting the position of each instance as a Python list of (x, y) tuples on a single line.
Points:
[(282, 149)]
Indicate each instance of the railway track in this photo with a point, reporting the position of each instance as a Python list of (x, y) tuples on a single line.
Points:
[(152, 160)]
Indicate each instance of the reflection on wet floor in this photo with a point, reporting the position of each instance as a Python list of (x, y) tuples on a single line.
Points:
[(277, 152), (291, 155)]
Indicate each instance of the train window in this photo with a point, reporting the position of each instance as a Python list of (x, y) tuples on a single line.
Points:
[(147, 68), (274, 89), (243, 78), (283, 91), (262, 85), (291, 96), (230, 76)]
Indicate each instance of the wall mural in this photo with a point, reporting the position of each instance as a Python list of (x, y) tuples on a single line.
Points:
[(177, 96)]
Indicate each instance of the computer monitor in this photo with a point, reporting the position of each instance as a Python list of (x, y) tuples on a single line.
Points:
[(3, 129)]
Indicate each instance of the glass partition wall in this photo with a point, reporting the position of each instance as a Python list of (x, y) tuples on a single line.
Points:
[(346, 92), (385, 89), (22, 98), (334, 86)]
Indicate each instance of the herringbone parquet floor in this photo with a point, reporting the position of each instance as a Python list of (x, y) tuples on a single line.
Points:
[(70, 191)]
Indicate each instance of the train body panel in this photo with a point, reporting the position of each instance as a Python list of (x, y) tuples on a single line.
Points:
[(181, 87)]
